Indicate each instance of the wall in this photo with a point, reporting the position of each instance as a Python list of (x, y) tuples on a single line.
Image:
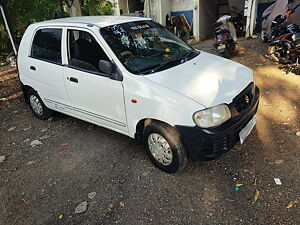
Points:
[(207, 18), (120, 4), (168, 6), (131, 6), (238, 4), (181, 5), (155, 9)]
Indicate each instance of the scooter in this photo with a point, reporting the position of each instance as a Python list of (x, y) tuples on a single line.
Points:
[(225, 36)]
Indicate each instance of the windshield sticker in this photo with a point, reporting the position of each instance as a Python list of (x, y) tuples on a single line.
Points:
[(138, 27)]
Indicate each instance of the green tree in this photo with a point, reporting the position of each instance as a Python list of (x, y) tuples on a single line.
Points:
[(97, 7), (74, 7), (25, 12)]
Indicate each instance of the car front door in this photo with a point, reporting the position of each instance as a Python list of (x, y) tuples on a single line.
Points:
[(95, 97)]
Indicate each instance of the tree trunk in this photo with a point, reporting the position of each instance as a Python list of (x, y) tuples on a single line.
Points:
[(74, 7)]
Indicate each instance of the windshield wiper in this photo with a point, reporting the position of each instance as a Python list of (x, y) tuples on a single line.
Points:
[(189, 54), (182, 59), (178, 60), (163, 65)]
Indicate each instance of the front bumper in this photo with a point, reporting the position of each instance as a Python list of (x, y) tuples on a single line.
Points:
[(207, 144)]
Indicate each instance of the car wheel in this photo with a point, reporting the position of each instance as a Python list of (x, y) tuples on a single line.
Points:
[(37, 106), (164, 147)]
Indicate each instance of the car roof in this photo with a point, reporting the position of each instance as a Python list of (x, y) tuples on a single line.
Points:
[(101, 21)]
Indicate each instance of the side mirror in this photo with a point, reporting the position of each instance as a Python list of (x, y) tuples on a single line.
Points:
[(111, 70), (106, 67)]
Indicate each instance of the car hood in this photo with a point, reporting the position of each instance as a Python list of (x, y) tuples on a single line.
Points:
[(208, 79)]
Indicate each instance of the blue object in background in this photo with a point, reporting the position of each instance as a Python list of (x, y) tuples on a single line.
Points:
[(188, 15), (260, 10)]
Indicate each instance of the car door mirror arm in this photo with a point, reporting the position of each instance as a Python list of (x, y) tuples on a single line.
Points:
[(117, 74), (111, 69)]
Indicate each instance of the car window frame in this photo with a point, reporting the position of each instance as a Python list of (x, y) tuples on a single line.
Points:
[(61, 44), (66, 38)]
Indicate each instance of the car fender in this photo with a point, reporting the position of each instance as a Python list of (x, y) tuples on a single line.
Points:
[(145, 99)]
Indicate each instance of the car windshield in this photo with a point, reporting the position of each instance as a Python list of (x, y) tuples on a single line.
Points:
[(146, 47)]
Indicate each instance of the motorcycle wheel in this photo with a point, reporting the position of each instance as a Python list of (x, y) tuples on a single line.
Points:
[(263, 37), (225, 54), (273, 53), (231, 46)]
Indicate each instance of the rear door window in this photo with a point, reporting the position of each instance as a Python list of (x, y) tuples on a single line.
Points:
[(46, 45)]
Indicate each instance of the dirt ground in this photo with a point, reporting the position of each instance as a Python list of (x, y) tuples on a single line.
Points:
[(44, 184)]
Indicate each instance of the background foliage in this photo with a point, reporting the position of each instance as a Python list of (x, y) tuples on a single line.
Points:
[(24, 12), (97, 7)]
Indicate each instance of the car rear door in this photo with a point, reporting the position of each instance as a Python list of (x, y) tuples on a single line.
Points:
[(94, 96), (45, 70)]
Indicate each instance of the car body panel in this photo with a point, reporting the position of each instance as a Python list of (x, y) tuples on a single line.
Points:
[(210, 80)]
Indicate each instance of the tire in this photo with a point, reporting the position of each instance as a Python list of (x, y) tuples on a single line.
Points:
[(225, 54), (271, 51), (164, 138), (37, 106), (263, 37), (232, 46), (11, 54)]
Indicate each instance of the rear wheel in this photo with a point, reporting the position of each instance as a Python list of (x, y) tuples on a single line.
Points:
[(37, 106), (164, 147), (225, 54)]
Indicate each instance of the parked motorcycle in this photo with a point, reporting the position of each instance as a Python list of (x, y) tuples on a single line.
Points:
[(280, 26), (225, 36), (287, 51), (284, 40)]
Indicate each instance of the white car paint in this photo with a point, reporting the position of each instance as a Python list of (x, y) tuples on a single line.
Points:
[(171, 96), (207, 79)]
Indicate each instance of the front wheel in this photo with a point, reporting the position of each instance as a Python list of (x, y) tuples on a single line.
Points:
[(164, 147), (273, 53)]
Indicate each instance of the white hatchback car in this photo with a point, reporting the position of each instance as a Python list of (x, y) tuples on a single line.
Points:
[(132, 76)]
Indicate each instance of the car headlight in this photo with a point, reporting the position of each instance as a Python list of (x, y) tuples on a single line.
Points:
[(212, 116)]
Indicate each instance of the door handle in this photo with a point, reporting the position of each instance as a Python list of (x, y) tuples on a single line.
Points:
[(73, 79), (32, 68)]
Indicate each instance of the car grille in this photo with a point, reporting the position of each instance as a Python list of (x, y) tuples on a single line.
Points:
[(243, 101)]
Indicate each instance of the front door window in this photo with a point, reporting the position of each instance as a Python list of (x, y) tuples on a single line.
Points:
[(84, 51)]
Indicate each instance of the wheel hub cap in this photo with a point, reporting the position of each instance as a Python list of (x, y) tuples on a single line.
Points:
[(160, 149), (36, 105)]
